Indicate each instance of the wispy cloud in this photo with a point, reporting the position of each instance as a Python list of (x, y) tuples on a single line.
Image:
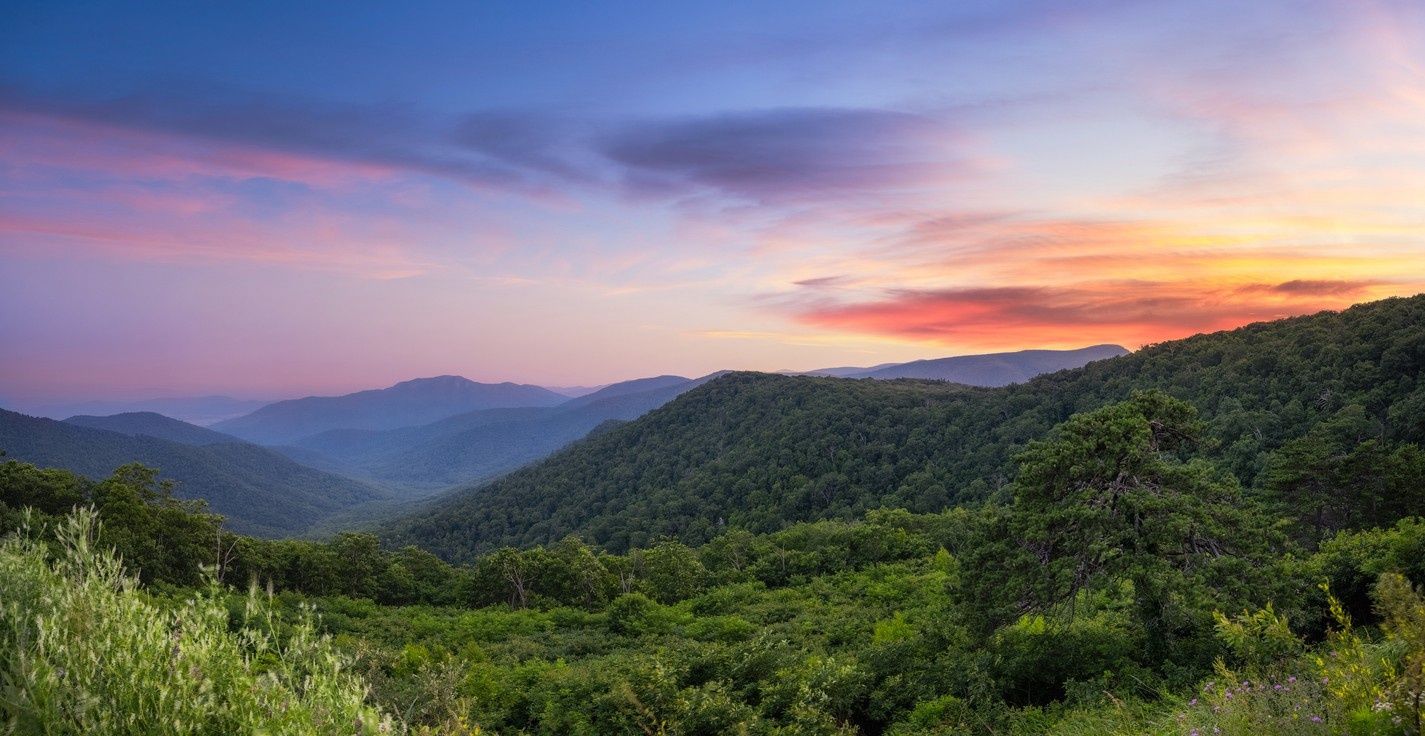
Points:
[(390, 137), (789, 155), (1141, 312)]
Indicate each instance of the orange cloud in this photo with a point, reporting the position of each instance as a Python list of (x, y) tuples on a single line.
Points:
[(1125, 312)]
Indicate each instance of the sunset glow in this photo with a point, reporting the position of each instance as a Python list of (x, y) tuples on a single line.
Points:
[(270, 202)]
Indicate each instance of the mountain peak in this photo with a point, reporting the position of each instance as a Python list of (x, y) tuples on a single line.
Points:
[(446, 380)]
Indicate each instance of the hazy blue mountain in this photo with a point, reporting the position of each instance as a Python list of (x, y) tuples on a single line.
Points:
[(259, 491), (407, 404), (996, 369), (200, 410), (636, 386), (841, 372), (149, 424), (573, 392), (483, 444)]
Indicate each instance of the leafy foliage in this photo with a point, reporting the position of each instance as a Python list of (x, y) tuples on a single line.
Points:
[(1107, 501), (84, 651)]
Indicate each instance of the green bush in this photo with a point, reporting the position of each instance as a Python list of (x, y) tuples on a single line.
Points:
[(83, 650)]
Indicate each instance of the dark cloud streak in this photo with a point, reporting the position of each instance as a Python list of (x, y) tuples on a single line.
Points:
[(766, 156), (385, 136), (784, 154)]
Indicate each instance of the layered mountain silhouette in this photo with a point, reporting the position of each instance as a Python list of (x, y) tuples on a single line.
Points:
[(406, 404), (480, 445), (259, 491), (328, 455)]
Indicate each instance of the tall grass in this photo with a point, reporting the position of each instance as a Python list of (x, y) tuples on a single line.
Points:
[(83, 651)]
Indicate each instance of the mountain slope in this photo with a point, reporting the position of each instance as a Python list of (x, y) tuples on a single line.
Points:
[(998, 369), (258, 490), (759, 451), (149, 424), (406, 404), (749, 450)]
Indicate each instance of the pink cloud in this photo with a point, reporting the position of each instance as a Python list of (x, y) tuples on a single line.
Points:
[(1129, 313), (33, 142)]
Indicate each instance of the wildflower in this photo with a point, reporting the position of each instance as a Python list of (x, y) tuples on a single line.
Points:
[(1291, 679), (1316, 719), (1193, 701)]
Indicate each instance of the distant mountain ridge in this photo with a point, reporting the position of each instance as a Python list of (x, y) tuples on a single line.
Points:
[(989, 370), (260, 491), (480, 445), (200, 410), (406, 404), (150, 424), (997, 369)]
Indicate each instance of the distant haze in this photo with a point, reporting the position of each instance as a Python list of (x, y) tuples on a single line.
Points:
[(201, 410)]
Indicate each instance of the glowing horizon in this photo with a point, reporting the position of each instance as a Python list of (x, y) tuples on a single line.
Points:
[(268, 202)]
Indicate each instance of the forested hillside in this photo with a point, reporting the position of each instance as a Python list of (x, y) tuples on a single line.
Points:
[(258, 490), (759, 451)]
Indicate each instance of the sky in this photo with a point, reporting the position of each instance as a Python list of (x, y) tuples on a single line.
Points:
[(277, 199)]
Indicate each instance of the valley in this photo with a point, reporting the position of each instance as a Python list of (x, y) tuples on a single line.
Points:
[(1137, 545)]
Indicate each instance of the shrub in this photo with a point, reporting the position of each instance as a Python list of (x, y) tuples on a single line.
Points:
[(83, 650)]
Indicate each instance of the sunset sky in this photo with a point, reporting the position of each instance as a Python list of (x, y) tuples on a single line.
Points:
[(277, 199)]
